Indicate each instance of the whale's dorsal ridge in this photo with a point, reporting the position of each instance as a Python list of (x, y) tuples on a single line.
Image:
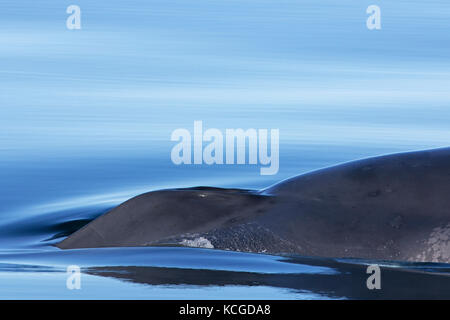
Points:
[(156, 215)]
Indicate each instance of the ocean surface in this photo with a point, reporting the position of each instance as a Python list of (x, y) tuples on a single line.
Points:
[(86, 118)]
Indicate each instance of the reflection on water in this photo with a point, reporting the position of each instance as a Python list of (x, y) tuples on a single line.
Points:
[(348, 282), (155, 272)]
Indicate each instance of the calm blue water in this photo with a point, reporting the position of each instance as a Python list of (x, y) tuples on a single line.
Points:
[(86, 117)]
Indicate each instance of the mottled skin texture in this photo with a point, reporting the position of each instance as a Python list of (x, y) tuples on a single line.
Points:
[(394, 207)]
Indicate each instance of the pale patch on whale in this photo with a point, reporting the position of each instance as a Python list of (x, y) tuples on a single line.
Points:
[(199, 242), (438, 246)]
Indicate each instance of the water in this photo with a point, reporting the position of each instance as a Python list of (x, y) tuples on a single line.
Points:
[(86, 118)]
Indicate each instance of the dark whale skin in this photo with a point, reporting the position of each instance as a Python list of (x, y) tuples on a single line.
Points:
[(393, 207)]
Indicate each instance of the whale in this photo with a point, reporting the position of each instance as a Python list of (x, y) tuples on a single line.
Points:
[(389, 207)]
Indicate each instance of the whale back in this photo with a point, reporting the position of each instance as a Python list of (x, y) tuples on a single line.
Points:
[(394, 207), (389, 207), (150, 218)]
